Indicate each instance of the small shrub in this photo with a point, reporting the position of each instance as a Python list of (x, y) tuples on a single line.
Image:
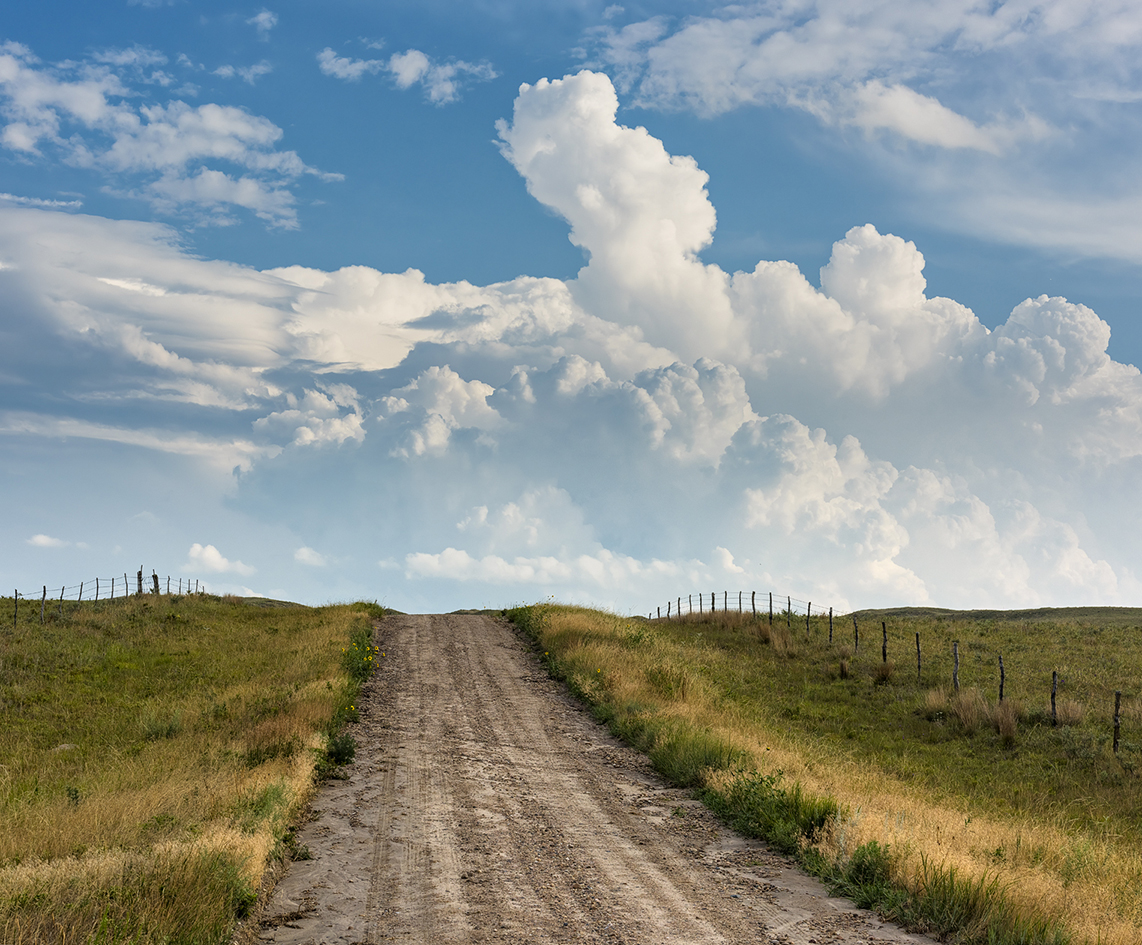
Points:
[(883, 673), (971, 709), (1069, 712), (341, 749), (1005, 718), (845, 670), (935, 707), (159, 725)]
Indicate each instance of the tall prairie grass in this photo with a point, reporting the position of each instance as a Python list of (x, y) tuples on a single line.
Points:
[(953, 812), (154, 752)]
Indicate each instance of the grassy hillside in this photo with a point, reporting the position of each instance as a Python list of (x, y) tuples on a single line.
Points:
[(981, 821), (154, 751)]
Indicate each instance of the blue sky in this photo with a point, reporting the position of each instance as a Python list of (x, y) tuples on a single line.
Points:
[(462, 304)]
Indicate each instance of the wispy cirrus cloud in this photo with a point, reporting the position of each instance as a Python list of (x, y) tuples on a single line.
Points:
[(202, 160), (442, 82)]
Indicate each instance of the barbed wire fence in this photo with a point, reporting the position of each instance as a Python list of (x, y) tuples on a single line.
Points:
[(757, 603), (103, 589)]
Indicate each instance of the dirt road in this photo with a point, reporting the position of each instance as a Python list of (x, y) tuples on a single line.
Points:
[(486, 806)]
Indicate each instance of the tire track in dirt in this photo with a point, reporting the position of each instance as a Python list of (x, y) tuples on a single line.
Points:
[(486, 807)]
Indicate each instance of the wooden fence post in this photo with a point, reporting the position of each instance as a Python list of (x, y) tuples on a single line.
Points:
[(917, 657), (690, 601), (43, 603), (830, 625), (126, 585), (956, 665), (678, 609), (884, 642), (113, 588), (753, 603), (1054, 691), (15, 607), (713, 602), (739, 602), (808, 611), (97, 588), (788, 613), (1117, 716), (725, 602), (155, 580), (61, 590), (80, 597), (700, 605), (771, 608), (1002, 678), (139, 577), (856, 636)]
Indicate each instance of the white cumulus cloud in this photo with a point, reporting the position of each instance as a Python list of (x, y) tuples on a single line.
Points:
[(209, 559)]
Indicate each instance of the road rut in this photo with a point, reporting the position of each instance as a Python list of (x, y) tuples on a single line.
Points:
[(485, 806)]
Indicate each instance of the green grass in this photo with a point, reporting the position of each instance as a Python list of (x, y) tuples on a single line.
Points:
[(154, 751)]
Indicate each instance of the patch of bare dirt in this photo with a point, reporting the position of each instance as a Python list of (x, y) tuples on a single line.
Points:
[(486, 807)]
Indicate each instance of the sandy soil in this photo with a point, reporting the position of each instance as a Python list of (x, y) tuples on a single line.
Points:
[(486, 806)]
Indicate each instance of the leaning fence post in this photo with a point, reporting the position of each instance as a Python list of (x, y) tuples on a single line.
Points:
[(1054, 690), (856, 635), (1002, 678), (956, 665), (1117, 716), (80, 597), (884, 642)]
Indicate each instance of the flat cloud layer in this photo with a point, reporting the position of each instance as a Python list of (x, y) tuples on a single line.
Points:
[(654, 427)]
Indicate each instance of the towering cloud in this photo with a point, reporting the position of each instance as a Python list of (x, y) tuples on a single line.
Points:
[(653, 426)]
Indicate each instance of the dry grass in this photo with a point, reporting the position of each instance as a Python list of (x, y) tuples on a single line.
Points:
[(1055, 856), (153, 753)]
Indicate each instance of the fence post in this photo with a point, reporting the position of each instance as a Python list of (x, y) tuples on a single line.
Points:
[(690, 602), (80, 597), (15, 607), (140, 580), (884, 642), (678, 610), (61, 590), (1117, 707), (155, 580), (1054, 691), (713, 602), (771, 608), (668, 603), (739, 602), (956, 665), (808, 611), (1002, 678), (725, 602), (788, 613), (43, 603), (917, 657), (168, 585), (700, 605), (126, 585), (753, 603), (856, 636), (830, 625), (97, 588), (659, 613)]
